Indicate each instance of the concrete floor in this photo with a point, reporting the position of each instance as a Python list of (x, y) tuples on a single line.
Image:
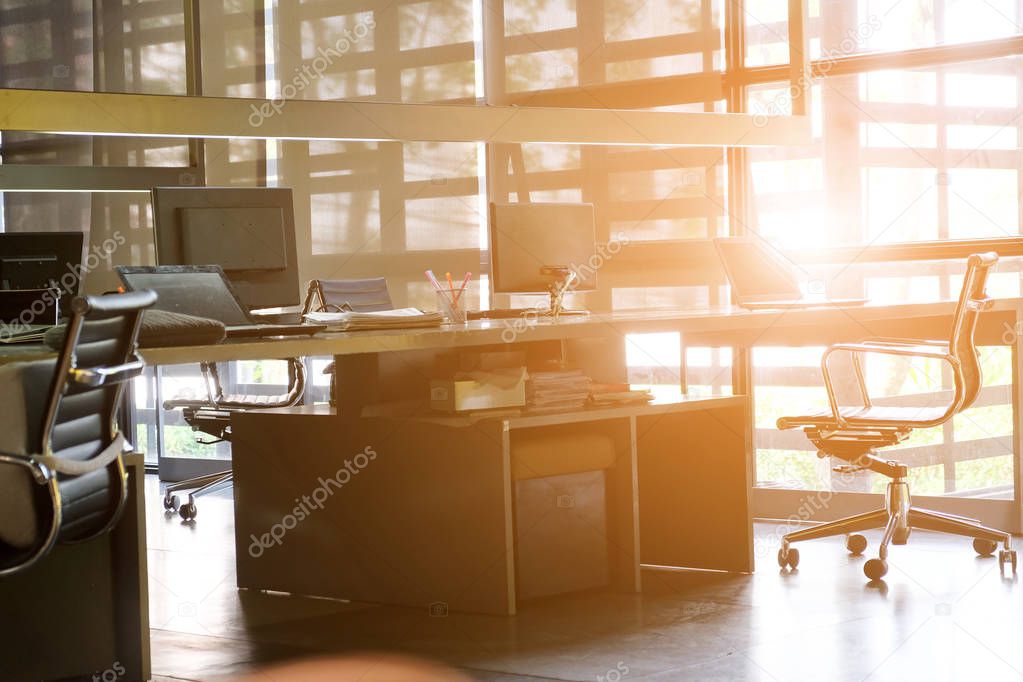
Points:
[(942, 614)]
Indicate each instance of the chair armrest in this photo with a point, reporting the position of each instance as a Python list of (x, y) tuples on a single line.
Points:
[(921, 349), (102, 376), (39, 472), (197, 403), (906, 342), (903, 348)]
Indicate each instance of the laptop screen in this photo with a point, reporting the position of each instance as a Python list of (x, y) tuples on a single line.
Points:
[(756, 272), (202, 292)]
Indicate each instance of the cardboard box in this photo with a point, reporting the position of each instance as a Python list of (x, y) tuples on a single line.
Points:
[(480, 391)]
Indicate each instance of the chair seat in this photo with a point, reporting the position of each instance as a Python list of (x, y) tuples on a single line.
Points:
[(231, 401), (876, 415), (243, 401)]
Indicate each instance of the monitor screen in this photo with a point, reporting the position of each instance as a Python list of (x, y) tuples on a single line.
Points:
[(198, 291), (236, 239), (526, 237), (248, 231), (43, 260)]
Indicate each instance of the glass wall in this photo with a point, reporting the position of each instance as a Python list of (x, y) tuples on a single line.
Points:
[(899, 155), (915, 138)]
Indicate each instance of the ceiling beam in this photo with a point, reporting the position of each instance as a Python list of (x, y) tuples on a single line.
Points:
[(138, 115)]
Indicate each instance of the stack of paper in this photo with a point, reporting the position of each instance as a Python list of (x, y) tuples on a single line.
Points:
[(559, 391), (402, 318)]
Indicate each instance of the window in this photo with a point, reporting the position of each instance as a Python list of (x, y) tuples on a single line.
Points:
[(898, 156), (841, 28)]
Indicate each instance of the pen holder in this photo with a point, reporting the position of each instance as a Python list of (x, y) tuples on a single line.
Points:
[(452, 310)]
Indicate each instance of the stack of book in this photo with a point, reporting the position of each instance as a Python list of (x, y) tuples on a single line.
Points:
[(402, 318), (557, 391), (610, 395)]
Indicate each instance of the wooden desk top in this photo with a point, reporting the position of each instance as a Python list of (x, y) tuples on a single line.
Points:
[(421, 412), (723, 325)]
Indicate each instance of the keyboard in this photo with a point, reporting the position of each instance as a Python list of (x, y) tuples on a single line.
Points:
[(260, 331), (502, 313), (514, 313)]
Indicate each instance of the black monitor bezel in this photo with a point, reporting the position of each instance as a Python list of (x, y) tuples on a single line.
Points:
[(48, 238)]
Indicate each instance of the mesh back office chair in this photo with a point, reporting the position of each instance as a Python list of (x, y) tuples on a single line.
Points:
[(337, 295), (854, 433), (63, 477), (212, 416)]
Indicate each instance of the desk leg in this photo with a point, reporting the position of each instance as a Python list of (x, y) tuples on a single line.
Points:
[(694, 490), (84, 608), (1016, 348), (131, 577), (623, 508), (425, 521)]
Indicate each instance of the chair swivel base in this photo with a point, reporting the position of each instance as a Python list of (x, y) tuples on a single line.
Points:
[(200, 485), (898, 518)]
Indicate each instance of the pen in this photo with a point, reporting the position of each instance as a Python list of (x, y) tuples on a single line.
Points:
[(433, 280), (465, 283)]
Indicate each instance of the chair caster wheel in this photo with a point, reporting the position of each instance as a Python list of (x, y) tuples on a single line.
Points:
[(788, 558), (856, 543), (188, 511), (901, 536), (984, 547), (1007, 556), (170, 502), (875, 569)]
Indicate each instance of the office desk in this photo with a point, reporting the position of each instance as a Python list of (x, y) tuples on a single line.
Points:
[(429, 518), (721, 326), (361, 352), (275, 453)]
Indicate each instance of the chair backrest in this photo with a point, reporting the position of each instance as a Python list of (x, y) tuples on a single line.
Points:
[(972, 301), (360, 295), (78, 483), (98, 358)]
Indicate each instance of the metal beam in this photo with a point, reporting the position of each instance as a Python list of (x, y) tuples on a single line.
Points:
[(193, 74), (54, 178), (140, 115), (917, 58), (799, 56)]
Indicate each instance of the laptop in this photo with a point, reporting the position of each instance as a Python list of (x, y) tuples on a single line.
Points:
[(205, 291), (763, 281)]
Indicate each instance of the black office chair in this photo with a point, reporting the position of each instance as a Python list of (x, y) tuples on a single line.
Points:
[(212, 416), (62, 476), (854, 434), (338, 295)]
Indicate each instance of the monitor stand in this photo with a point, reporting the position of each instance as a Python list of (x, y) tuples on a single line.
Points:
[(561, 280)]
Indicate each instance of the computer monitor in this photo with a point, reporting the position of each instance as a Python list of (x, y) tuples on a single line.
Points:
[(248, 231), (43, 260), (525, 238)]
